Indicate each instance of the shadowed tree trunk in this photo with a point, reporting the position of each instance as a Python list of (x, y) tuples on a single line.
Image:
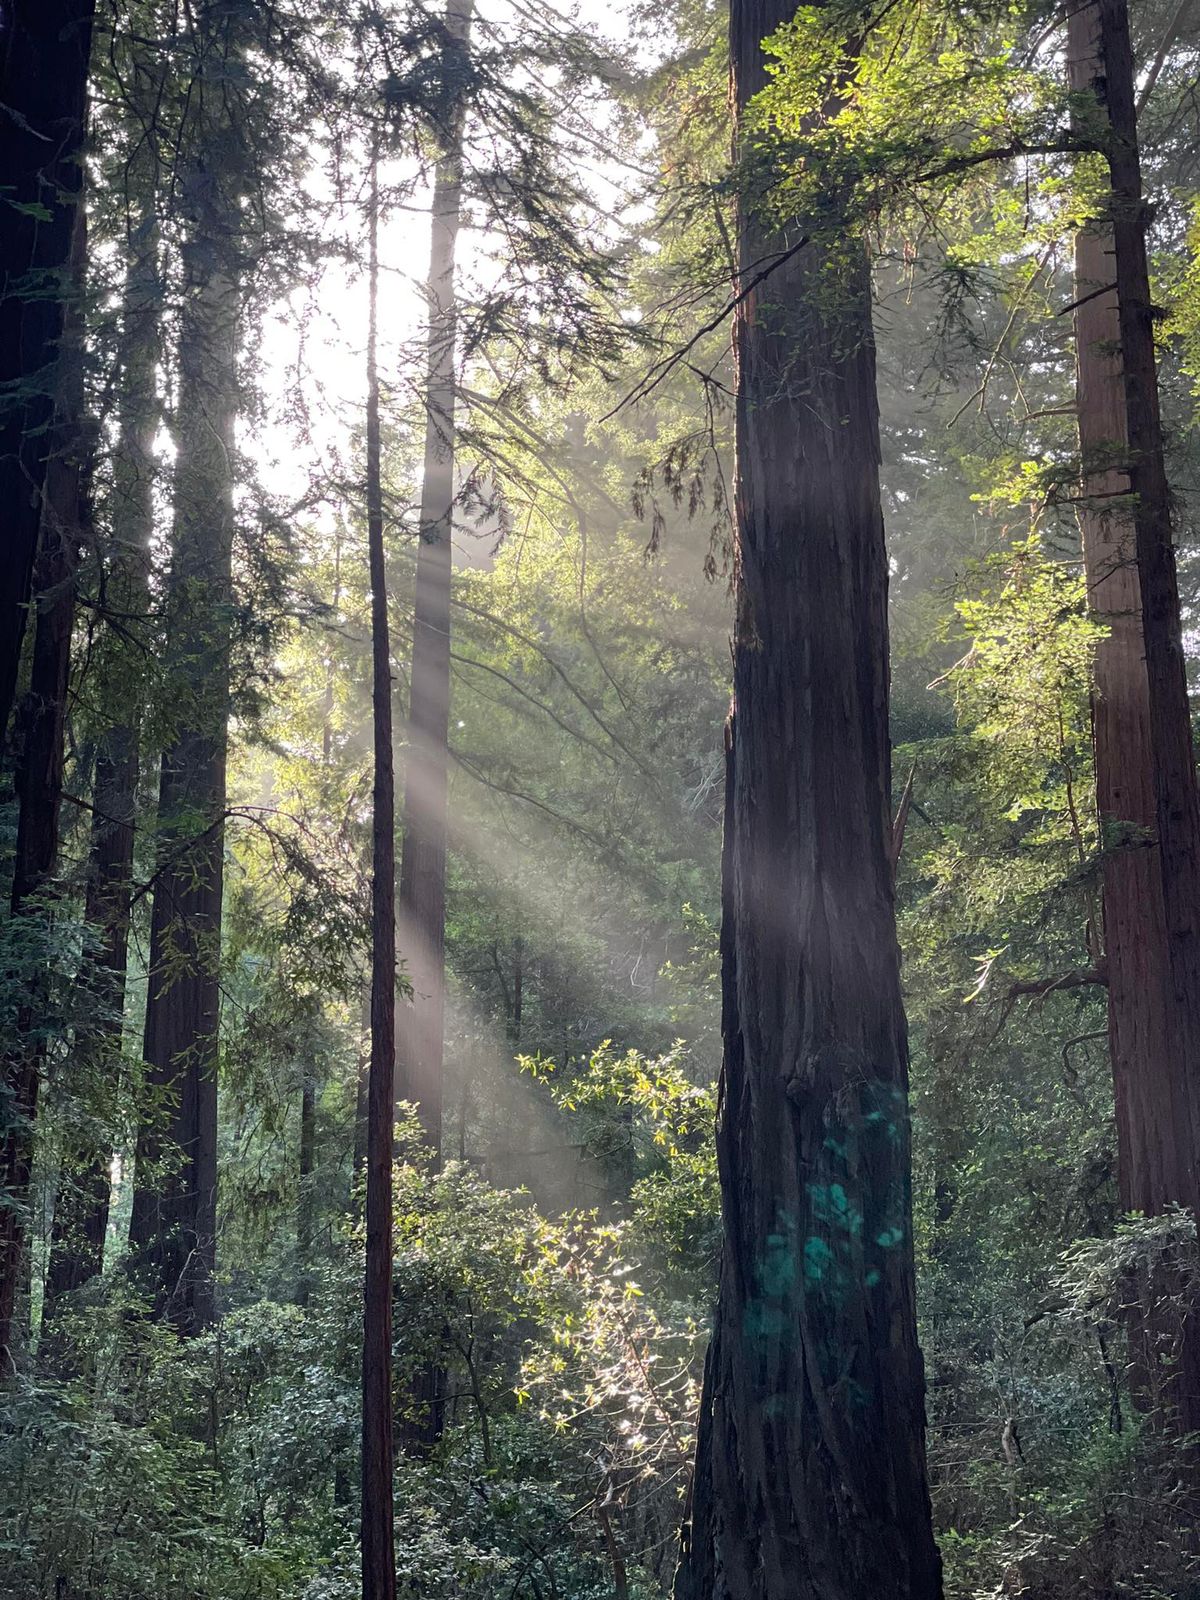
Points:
[(44, 51), (810, 1480), (81, 1212), (362, 1091), (41, 723), (1145, 770), (518, 994), (306, 1168), (378, 1549), (173, 1227), (423, 860)]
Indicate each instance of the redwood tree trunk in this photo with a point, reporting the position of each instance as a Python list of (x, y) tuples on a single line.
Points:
[(1135, 933), (44, 50), (810, 1479), (39, 774), (423, 861), (81, 1211), (1145, 766), (378, 1548), (173, 1227)]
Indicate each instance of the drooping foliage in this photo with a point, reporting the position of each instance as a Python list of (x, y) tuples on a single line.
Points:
[(184, 1409)]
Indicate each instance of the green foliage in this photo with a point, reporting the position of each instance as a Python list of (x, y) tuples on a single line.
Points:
[(650, 1122), (559, 1268)]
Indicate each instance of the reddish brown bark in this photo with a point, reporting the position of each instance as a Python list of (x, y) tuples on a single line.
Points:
[(1145, 768), (810, 1479), (378, 1549)]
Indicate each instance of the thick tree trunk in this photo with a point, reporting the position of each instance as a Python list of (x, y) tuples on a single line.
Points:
[(39, 774), (810, 1478), (39, 792), (45, 46), (173, 1227), (378, 1549), (81, 1212), (423, 861), (1145, 769), (1135, 934)]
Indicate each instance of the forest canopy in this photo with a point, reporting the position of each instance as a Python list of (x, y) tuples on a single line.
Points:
[(600, 923)]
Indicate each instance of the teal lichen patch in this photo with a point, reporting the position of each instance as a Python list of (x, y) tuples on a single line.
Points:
[(889, 1110), (818, 1260), (762, 1321), (832, 1206), (769, 1313), (777, 1271)]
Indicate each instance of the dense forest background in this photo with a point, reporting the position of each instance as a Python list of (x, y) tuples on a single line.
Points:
[(297, 272)]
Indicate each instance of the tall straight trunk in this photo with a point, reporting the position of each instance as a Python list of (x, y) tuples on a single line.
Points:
[(313, 1078), (39, 775), (810, 1478), (518, 1000), (81, 1211), (306, 1167), (423, 861), (378, 1547), (173, 1227), (1145, 767), (45, 46), (362, 1092)]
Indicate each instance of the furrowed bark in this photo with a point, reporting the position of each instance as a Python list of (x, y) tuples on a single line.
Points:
[(810, 1479), (1145, 765)]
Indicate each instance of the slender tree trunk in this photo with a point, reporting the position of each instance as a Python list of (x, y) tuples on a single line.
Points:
[(313, 1077), (362, 1092), (1145, 769), (305, 1231), (423, 862), (81, 1212), (44, 53), (378, 1548), (173, 1227), (810, 1479), (518, 1002)]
